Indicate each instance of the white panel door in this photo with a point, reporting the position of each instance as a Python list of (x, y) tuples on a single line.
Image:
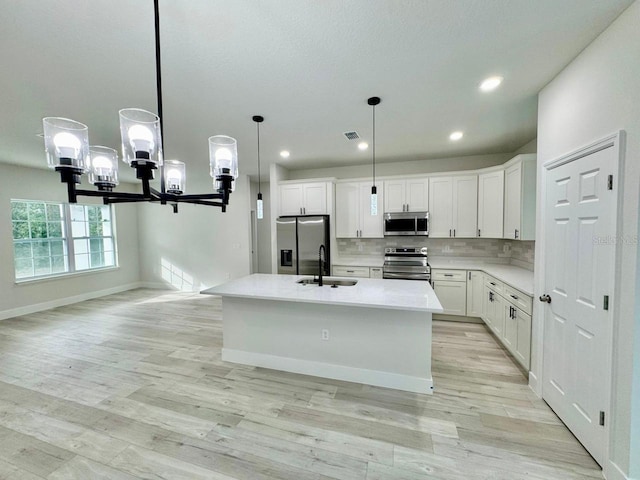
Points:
[(452, 296), (580, 217), (475, 294), (465, 206), (315, 199), (347, 210), (370, 225), (394, 196), (417, 195), (491, 204), (440, 207), (512, 201), (291, 199)]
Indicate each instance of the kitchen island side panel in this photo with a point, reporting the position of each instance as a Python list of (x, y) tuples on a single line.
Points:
[(389, 348)]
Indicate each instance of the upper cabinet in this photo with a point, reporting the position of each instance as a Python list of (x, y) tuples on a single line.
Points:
[(453, 206), (520, 198), (304, 198), (491, 204), (410, 195), (353, 211)]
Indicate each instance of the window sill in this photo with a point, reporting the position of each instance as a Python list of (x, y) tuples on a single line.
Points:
[(67, 275)]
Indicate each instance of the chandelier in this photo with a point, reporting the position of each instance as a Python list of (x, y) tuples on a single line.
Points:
[(68, 152)]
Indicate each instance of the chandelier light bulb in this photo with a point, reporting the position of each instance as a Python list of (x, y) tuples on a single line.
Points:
[(224, 156), (141, 138), (101, 163), (67, 145)]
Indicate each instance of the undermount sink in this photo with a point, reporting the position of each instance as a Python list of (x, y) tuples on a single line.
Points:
[(331, 282)]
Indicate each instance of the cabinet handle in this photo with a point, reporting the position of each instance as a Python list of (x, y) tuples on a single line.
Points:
[(516, 234), (492, 284), (454, 232), (511, 312), (448, 274), (449, 232), (407, 207), (479, 232), (513, 296), (469, 275), (350, 271)]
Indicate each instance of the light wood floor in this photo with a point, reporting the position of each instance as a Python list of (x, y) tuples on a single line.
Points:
[(132, 386)]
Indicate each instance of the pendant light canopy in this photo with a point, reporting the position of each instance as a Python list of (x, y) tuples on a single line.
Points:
[(373, 101), (68, 152), (259, 205)]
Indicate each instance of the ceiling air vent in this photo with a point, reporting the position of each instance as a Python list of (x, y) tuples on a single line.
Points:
[(351, 135)]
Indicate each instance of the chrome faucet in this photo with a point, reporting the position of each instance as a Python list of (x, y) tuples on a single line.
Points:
[(322, 250)]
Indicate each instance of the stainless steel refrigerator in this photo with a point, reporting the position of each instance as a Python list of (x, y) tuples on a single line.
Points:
[(299, 240)]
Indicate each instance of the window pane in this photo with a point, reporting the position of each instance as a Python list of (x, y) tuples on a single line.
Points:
[(55, 229), (94, 214), (107, 245), (19, 211), (54, 212), (95, 229), (57, 247), (38, 229), (24, 267), (97, 260), (82, 261), (37, 212), (59, 264), (106, 229), (109, 259), (79, 229), (80, 246), (95, 245), (41, 249), (42, 265), (77, 213), (20, 230), (22, 250), (105, 213)]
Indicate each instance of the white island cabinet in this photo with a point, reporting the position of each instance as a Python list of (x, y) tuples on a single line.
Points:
[(377, 332)]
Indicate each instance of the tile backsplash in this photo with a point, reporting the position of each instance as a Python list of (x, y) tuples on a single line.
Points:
[(518, 253)]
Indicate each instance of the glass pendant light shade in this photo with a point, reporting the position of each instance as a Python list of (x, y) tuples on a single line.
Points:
[(141, 140), (223, 158), (260, 207), (103, 167), (175, 177), (374, 201), (66, 143)]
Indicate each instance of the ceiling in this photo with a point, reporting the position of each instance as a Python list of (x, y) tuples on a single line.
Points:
[(307, 66)]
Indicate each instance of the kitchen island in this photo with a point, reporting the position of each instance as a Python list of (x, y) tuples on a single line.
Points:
[(377, 332)]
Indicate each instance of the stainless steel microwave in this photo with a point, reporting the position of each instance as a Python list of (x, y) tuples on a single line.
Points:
[(406, 223)]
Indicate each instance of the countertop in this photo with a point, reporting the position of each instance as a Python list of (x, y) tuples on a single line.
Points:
[(368, 292), (517, 277), (359, 261)]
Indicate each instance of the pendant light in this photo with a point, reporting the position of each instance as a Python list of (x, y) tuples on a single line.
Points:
[(259, 206), (373, 101)]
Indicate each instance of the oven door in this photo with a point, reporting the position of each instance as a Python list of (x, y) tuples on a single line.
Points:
[(406, 276)]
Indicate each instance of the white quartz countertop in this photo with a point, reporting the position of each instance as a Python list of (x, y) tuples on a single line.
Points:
[(368, 292), (363, 261), (519, 278)]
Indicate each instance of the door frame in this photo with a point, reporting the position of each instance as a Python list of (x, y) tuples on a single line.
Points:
[(536, 374)]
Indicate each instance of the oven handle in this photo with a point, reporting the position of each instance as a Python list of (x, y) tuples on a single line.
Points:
[(407, 276)]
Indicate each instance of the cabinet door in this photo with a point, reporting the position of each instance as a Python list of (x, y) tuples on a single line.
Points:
[(475, 294), (465, 206), (497, 321), (510, 331), (440, 207), (523, 346), (487, 306), (417, 195), (491, 204), (394, 196), (290, 199), (315, 198), (512, 201), (347, 210), (452, 296), (375, 272), (371, 226)]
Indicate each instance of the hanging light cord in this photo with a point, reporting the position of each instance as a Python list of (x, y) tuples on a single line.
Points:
[(374, 145), (156, 9), (259, 185)]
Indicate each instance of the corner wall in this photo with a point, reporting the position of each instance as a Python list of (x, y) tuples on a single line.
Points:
[(17, 299), (596, 95)]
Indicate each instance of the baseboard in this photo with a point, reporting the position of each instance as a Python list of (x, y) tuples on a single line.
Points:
[(456, 318), (327, 370), (157, 286), (613, 472), (60, 302), (534, 384)]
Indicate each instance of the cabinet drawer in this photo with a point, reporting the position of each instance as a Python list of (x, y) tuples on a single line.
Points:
[(342, 271), (449, 275), (518, 299), (375, 272), (495, 285)]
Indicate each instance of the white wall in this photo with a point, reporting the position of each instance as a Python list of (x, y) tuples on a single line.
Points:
[(264, 226), (40, 184), (403, 168), (200, 246), (596, 95)]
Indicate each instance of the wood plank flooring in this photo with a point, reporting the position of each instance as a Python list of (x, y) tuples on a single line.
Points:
[(132, 386)]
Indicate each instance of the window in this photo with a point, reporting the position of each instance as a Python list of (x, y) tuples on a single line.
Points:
[(41, 233)]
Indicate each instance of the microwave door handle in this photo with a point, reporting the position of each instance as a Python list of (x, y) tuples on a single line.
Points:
[(415, 225)]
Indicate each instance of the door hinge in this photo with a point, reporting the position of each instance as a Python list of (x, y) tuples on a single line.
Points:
[(605, 305), (610, 182), (602, 418)]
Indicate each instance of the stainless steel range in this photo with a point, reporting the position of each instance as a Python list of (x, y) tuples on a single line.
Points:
[(408, 263)]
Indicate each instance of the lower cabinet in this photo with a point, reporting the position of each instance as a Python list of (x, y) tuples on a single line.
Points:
[(348, 271), (475, 293), (452, 296), (375, 272)]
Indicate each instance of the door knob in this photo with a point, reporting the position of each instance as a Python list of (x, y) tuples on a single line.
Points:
[(545, 298)]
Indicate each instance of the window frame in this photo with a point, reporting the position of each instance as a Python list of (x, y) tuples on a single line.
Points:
[(69, 240)]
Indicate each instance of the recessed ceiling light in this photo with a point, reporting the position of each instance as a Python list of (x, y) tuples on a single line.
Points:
[(363, 145), (284, 154), (456, 136), (490, 84)]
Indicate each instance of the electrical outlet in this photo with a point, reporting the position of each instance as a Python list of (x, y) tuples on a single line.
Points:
[(325, 334)]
